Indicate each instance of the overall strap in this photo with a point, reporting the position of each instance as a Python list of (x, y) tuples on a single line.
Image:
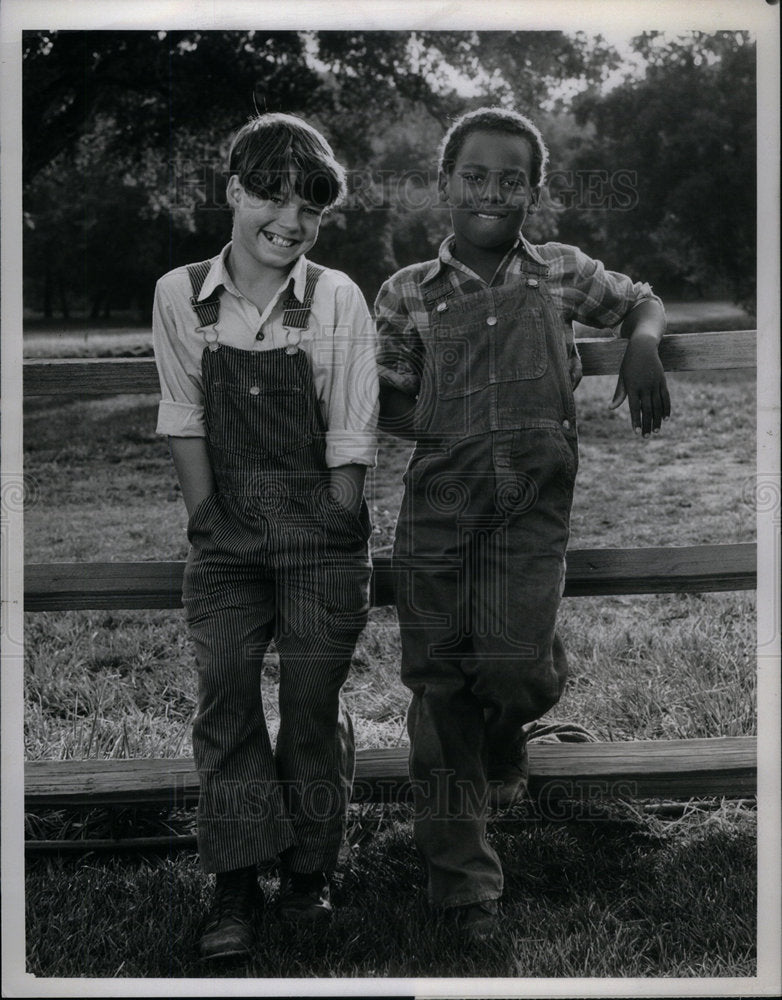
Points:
[(207, 311), (297, 314)]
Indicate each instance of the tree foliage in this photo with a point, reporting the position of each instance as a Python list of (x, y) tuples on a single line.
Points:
[(686, 134), (125, 135)]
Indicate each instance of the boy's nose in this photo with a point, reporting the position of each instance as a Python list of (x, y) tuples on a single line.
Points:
[(492, 190), (288, 217)]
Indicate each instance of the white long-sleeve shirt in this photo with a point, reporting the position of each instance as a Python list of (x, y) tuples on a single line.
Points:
[(339, 341)]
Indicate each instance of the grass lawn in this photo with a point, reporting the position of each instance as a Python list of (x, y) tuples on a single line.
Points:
[(631, 895)]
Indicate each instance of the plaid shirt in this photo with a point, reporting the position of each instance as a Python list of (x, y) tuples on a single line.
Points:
[(581, 288)]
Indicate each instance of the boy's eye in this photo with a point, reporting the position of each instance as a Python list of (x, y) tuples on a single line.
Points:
[(473, 178), (313, 210)]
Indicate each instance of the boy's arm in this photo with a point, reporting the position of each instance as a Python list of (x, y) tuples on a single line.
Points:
[(601, 298), (351, 408), (347, 485), (400, 358), (641, 376), (397, 410), (180, 413), (193, 469)]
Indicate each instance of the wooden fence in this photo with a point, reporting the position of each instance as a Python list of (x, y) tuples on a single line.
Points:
[(664, 768)]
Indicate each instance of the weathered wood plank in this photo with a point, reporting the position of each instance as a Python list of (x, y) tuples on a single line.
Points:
[(558, 771), (89, 376), (172, 842), (600, 356), (678, 352), (661, 570), (139, 585)]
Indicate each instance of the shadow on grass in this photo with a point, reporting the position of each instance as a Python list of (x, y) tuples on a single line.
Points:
[(597, 899)]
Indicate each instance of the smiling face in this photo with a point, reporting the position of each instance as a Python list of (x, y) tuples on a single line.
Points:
[(489, 194), (270, 233)]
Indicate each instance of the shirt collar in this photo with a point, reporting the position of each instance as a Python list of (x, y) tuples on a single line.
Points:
[(218, 275), (445, 256)]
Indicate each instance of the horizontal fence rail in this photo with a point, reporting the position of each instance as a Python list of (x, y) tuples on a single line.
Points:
[(587, 772), (725, 766), (590, 572), (722, 350)]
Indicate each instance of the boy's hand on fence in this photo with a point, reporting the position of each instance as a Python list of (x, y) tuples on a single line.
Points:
[(642, 381)]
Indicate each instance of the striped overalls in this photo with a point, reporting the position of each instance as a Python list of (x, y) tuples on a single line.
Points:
[(479, 558), (272, 557)]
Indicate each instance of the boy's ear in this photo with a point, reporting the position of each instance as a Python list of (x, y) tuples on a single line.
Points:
[(233, 191), (534, 200)]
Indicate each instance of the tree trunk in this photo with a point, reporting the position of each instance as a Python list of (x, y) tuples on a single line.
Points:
[(63, 293), (48, 310)]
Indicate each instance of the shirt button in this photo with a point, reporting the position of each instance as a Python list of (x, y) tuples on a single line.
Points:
[(532, 282), (566, 424), (260, 335), (254, 390), (210, 336), (442, 307), (491, 320)]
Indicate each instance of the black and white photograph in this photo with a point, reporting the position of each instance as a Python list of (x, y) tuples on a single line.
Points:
[(391, 500)]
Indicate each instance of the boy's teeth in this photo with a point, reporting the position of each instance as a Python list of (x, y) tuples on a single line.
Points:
[(278, 241)]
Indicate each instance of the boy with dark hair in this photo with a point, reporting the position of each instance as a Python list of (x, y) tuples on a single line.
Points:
[(478, 366), (269, 399)]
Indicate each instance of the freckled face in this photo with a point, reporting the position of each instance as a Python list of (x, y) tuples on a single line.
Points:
[(488, 191), (273, 232)]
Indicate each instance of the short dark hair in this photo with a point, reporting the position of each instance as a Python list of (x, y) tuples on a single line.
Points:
[(494, 120), (276, 154)]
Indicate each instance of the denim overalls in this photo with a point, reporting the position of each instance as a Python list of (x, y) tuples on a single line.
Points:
[(480, 559), (272, 557)]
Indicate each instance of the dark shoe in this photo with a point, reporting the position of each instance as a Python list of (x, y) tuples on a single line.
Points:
[(305, 898), (228, 930), (508, 778), (475, 922)]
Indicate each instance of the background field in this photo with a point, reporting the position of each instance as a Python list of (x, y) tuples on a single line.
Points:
[(632, 895)]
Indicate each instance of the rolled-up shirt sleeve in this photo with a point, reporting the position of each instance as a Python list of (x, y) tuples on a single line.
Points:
[(351, 397), (400, 351), (181, 410), (598, 297)]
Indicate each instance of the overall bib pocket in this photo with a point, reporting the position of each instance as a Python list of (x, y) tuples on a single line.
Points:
[(509, 347), (519, 347), (240, 421), (461, 362)]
